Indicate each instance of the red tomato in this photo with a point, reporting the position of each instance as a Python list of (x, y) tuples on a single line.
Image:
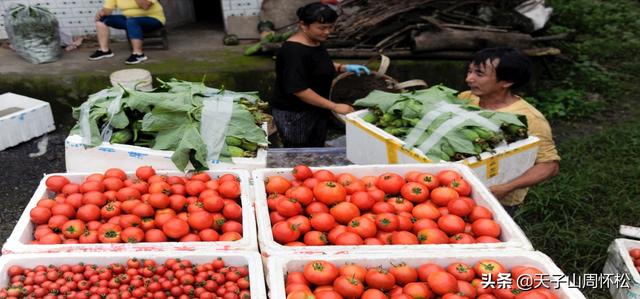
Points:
[(353, 270), (348, 287), (145, 172), (403, 274), (442, 195), (445, 177), (461, 186), (73, 229), (320, 272), (390, 183), (324, 175), (128, 193), (302, 223), (288, 207), (426, 211), (374, 294), (40, 215), (490, 267), (417, 290), (284, 232), (442, 282), (362, 200), (459, 207), (379, 278), (88, 212), (415, 192), (403, 238), (230, 189), (200, 220), (451, 224), (480, 212), (432, 236), (348, 238), (315, 238), (175, 228), (132, 235), (301, 172), (343, 212), (302, 194), (486, 227), (362, 226), (329, 192), (462, 238), (55, 183), (277, 184)]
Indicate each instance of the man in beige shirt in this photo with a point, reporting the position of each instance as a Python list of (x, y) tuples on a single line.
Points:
[(491, 75)]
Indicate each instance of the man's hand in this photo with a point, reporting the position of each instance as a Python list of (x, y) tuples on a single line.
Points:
[(342, 109), (500, 191), (100, 14)]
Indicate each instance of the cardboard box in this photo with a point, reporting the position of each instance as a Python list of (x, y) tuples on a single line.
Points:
[(368, 144), (23, 118)]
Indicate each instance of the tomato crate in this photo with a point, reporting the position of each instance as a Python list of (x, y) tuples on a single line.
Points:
[(278, 267), (619, 264), (80, 158), (368, 144), (511, 234), (230, 258), (20, 239), (23, 118)]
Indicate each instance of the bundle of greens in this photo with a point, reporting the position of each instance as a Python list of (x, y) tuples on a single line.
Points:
[(169, 119), (441, 125)]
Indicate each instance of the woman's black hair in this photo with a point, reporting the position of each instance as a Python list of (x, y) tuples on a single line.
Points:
[(316, 12), (513, 66)]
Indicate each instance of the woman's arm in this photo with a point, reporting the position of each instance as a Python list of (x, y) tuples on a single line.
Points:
[(144, 4), (103, 12), (312, 98)]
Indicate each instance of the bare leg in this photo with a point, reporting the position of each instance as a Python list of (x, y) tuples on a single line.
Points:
[(136, 45), (102, 31)]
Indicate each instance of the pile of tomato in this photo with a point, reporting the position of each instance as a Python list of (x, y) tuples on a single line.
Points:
[(110, 207), (324, 280), (322, 208), (137, 278), (635, 257)]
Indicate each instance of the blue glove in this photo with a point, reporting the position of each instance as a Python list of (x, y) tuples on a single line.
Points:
[(357, 69)]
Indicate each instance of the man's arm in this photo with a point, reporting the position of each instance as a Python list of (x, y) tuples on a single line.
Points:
[(312, 98), (536, 174), (144, 4)]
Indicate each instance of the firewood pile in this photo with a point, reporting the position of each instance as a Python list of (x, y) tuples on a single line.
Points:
[(432, 28)]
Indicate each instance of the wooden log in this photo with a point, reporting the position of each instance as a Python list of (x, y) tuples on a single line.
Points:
[(452, 39)]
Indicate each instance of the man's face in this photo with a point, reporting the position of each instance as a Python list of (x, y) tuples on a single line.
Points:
[(482, 79), (317, 31)]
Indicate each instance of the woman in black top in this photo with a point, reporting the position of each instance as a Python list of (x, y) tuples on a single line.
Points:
[(304, 72)]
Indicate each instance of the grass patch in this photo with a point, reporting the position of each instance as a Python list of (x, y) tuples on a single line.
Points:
[(576, 215)]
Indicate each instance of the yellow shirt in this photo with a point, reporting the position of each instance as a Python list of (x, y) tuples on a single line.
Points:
[(538, 126), (130, 8)]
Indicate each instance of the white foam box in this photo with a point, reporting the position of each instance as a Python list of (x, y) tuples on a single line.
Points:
[(22, 235), (231, 258), (512, 235), (23, 118), (368, 144), (618, 265), (279, 266), (80, 158)]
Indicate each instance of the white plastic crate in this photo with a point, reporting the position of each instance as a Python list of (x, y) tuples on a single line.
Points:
[(79, 158), (619, 263), (19, 240), (512, 236), (23, 118), (368, 144), (278, 267), (231, 258)]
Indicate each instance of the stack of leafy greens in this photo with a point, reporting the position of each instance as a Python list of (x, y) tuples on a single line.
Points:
[(441, 125), (169, 119)]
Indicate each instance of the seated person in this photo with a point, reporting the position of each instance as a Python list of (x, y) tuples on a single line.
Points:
[(491, 76), (138, 16)]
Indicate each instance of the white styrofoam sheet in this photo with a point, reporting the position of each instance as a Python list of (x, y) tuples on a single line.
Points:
[(231, 258), (508, 162), (80, 158), (32, 120), (279, 266), (619, 262), (512, 235), (22, 235)]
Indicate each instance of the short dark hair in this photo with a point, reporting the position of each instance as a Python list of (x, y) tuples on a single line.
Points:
[(513, 65), (316, 12)]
